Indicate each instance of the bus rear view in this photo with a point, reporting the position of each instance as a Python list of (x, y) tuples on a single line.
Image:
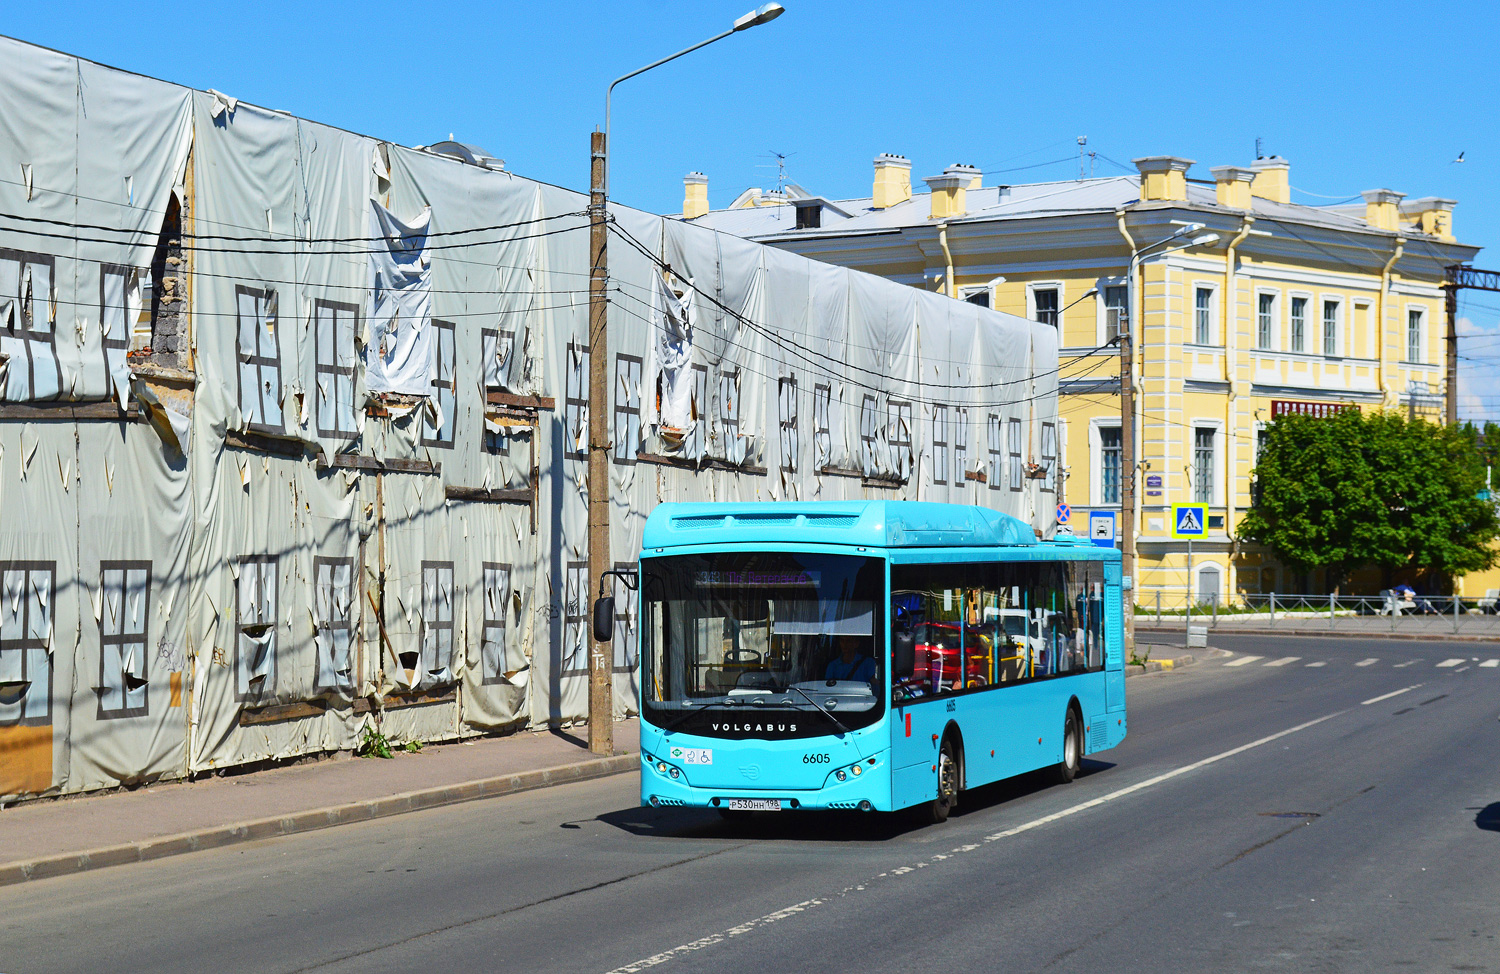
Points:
[(870, 655)]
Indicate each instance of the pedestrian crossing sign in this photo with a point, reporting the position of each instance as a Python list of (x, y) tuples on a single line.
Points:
[(1189, 520)]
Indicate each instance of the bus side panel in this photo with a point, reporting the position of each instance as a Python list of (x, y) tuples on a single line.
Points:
[(916, 731)]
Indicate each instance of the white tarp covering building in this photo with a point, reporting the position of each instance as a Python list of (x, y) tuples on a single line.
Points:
[(292, 425)]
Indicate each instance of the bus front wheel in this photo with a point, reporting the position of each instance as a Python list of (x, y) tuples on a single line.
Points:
[(1067, 768), (937, 810)]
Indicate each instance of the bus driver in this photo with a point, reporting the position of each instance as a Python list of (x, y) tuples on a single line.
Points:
[(851, 664)]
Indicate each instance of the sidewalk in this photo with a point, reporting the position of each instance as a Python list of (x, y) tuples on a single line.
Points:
[(52, 837)]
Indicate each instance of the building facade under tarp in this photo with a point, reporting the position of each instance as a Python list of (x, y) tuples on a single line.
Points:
[(292, 425)]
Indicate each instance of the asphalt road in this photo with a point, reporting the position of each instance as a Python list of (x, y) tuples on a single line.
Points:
[(1259, 817)]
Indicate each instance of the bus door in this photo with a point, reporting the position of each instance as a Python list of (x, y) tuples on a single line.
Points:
[(1114, 639)]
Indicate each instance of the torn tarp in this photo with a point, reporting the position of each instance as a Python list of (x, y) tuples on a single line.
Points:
[(398, 349)]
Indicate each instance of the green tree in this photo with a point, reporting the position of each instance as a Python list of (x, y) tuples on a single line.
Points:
[(1358, 490)]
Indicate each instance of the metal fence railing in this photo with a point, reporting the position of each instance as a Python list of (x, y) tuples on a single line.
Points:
[(1386, 612)]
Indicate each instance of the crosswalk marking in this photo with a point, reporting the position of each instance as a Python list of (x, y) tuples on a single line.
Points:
[(1368, 662), (1490, 663), (1450, 662), (1243, 660), (1317, 663), (1460, 662), (1284, 661), (1402, 666)]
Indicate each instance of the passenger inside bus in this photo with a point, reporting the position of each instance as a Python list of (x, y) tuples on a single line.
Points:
[(851, 664)]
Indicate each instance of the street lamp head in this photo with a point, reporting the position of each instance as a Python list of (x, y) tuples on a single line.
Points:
[(1205, 239), (763, 14)]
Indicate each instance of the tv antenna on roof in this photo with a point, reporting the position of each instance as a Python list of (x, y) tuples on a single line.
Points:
[(781, 158), (1258, 154)]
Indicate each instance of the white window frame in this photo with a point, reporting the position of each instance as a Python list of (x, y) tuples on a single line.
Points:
[(333, 621), (1315, 320), (494, 647), (1062, 299), (1338, 325), (1216, 496), (1421, 310), (1213, 314), (1096, 461), (1101, 309), (1277, 338), (939, 418)]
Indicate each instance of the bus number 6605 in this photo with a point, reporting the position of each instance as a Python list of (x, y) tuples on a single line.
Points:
[(815, 759)]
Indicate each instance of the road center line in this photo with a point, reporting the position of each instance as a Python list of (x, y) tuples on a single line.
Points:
[(1387, 696), (802, 907)]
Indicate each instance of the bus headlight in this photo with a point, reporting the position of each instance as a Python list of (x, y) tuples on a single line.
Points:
[(857, 770), (661, 767), (839, 774), (676, 773)]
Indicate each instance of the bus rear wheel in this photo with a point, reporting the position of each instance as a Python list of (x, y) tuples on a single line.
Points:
[(936, 811), (1067, 768)]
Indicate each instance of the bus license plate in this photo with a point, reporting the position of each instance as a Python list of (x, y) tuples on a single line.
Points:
[(755, 804)]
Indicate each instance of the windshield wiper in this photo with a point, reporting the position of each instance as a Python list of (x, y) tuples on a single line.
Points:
[(826, 713), (676, 721)]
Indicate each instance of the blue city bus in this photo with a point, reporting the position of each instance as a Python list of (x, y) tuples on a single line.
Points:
[(870, 655)]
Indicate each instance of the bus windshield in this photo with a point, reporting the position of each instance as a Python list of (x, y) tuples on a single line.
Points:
[(789, 639)]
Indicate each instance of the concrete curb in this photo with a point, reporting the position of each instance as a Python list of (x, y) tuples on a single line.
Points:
[(1336, 633), (1157, 666), (366, 810)]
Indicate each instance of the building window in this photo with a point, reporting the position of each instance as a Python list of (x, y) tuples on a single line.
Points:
[(1116, 296), (627, 408), (869, 433), (822, 438), (1414, 335), (960, 446), (437, 623), (495, 350), (1013, 439), (1045, 306), (28, 590), (336, 324), (1203, 302), (1203, 465), (27, 336), (700, 410), (939, 445), (124, 617), (898, 435), (575, 650), (1051, 470), (1330, 328), (1299, 324), (444, 393), (114, 332), (576, 403), (729, 415), (333, 611), (260, 359), (995, 436), (786, 416), (497, 598), (255, 615), (980, 297), (1111, 450), (1265, 320)]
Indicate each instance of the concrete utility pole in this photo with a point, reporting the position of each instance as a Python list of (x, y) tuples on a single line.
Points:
[(1127, 475), (1450, 372), (601, 675)]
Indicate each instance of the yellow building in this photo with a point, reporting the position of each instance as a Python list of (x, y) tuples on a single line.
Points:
[(1247, 305)]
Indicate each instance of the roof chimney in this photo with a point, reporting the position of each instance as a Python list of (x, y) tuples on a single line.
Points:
[(1434, 215), (892, 181), (972, 173), (948, 194), (1382, 208), (694, 195), (1273, 179), (1232, 185), (1163, 177)]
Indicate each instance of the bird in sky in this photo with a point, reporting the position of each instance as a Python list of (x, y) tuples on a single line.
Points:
[(1459, 159)]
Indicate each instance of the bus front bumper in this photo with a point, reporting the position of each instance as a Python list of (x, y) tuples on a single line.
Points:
[(868, 791)]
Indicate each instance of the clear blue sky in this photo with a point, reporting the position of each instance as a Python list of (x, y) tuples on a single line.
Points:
[(1355, 95)]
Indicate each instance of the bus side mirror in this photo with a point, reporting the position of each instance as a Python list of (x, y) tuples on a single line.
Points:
[(604, 619), (904, 653)]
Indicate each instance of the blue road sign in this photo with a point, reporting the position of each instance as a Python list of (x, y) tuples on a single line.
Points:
[(1102, 528), (1063, 513), (1189, 520)]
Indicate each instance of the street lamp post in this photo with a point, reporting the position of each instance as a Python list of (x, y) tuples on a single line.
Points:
[(601, 676), (1129, 496)]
